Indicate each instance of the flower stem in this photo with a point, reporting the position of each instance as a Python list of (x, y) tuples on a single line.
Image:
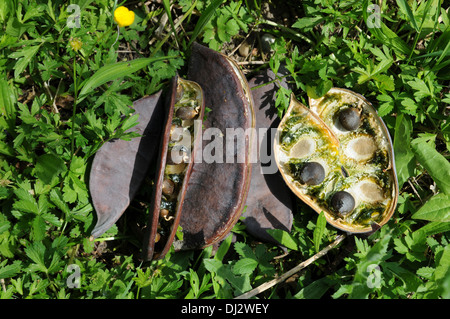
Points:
[(118, 33), (74, 109)]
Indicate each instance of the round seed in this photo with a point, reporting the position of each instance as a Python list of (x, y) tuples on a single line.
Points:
[(180, 92), (164, 213), (186, 113), (342, 203), (167, 187), (312, 173), (350, 118)]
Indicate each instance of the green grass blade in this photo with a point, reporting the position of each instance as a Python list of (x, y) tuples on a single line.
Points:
[(444, 53), (319, 231), (114, 71), (166, 4), (7, 101), (386, 35), (204, 19), (404, 156), (283, 237), (433, 228), (404, 6)]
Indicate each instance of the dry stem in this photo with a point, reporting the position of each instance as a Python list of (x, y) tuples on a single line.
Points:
[(288, 274)]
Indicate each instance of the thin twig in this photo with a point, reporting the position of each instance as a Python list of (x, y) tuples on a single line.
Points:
[(294, 270), (242, 42), (414, 189), (118, 33), (2, 281), (251, 63)]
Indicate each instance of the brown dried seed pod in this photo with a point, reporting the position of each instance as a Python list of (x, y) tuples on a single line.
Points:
[(220, 186), (166, 168), (120, 166)]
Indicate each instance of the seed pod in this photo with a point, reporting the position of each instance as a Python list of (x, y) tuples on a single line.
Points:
[(366, 153), (270, 202), (217, 190), (342, 132), (119, 166), (159, 217)]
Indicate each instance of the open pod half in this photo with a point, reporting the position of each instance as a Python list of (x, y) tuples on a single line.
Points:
[(119, 166), (220, 178), (180, 141), (337, 157)]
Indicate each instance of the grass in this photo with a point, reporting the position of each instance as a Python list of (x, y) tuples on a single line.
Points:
[(64, 92)]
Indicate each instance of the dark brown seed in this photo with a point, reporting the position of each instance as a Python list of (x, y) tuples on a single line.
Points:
[(342, 202), (168, 187), (157, 237), (180, 92), (164, 213), (186, 113), (350, 118), (312, 173)]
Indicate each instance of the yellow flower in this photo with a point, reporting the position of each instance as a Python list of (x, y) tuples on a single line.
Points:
[(75, 43), (123, 17)]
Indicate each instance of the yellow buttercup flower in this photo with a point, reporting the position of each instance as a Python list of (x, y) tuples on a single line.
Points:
[(123, 17), (75, 43)]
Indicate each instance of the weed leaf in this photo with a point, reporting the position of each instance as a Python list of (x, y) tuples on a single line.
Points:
[(10, 270), (204, 19), (436, 209), (245, 266), (7, 101), (433, 228), (404, 157), (223, 248), (48, 167), (319, 230), (24, 57), (434, 162), (284, 238)]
